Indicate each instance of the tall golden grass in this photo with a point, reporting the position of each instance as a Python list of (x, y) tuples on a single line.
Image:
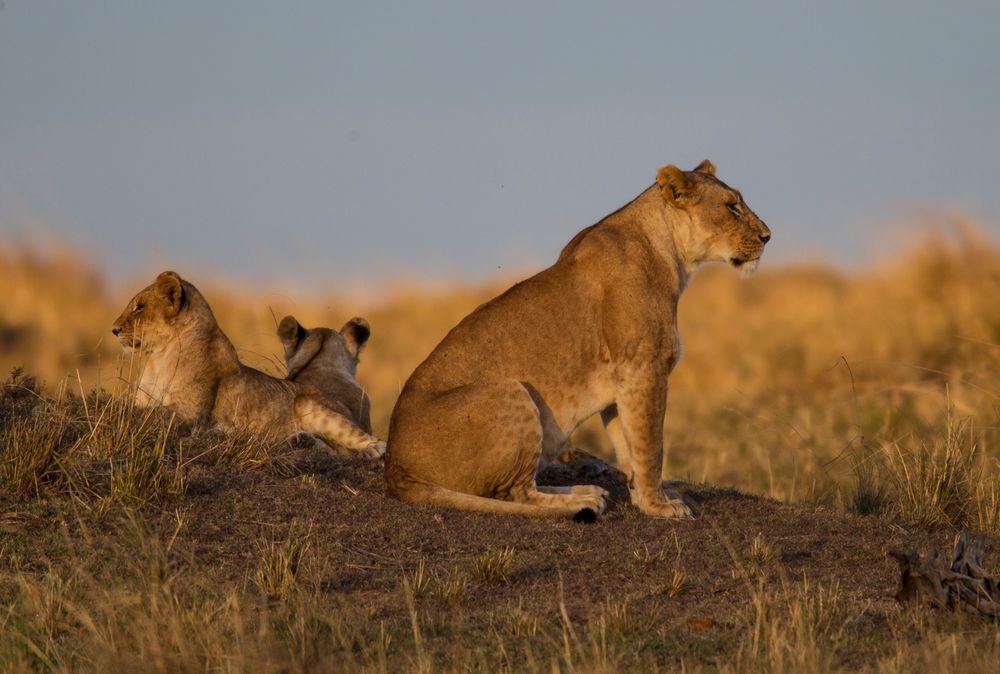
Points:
[(871, 390), (804, 382)]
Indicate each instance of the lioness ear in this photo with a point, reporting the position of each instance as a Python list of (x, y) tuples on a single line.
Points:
[(675, 185), (290, 332), (705, 167), (171, 290), (356, 333)]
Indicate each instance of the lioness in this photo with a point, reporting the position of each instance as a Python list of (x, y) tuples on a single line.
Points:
[(594, 333), (192, 367), (327, 360)]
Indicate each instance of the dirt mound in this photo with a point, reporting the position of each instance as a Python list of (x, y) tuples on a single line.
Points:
[(371, 541)]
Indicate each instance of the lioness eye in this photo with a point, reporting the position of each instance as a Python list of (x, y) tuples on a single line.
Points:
[(734, 208), (138, 308)]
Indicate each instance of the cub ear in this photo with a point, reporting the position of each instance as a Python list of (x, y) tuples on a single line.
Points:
[(705, 167), (675, 184), (300, 345), (290, 332), (169, 287), (356, 333)]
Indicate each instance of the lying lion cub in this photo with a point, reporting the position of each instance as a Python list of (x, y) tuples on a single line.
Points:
[(192, 367), (327, 360), (595, 332)]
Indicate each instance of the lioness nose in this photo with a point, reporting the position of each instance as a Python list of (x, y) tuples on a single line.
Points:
[(115, 330)]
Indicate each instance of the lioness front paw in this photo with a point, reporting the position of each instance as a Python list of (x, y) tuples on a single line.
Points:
[(667, 508)]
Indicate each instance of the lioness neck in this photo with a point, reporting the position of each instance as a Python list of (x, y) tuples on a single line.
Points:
[(665, 229)]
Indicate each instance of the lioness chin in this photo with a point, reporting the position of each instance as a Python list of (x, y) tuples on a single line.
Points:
[(192, 367), (594, 333)]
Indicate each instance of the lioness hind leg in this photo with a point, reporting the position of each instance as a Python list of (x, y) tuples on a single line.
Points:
[(539, 439), (335, 429), (476, 447), (437, 495)]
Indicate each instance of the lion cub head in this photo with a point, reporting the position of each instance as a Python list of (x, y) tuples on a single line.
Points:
[(305, 347), (722, 226), (148, 319)]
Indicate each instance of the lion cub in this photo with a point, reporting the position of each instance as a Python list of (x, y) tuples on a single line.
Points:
[(192, 367), (327, 360)]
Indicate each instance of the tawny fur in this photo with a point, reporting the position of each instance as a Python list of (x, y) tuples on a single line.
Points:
[(327, 360), (192, 367), (594, 333)]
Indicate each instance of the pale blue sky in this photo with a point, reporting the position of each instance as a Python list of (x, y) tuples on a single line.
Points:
[(437, 139)]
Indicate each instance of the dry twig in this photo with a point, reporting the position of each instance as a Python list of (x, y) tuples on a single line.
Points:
[(957, 580)]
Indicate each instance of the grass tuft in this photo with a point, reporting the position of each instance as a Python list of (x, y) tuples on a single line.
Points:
[(494, 566), (938, 482), (30, 450), (280, 565)]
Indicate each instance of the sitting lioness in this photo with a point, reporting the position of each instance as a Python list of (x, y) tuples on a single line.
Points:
[(327, 360), (192, 367), (594, 333)]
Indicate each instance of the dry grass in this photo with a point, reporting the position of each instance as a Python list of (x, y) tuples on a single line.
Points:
[(793, 630), (936, 483), (279, 572), (29, 451), (871, 392), (493, 566)]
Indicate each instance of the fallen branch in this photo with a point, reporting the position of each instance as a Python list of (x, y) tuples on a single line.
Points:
[(957, 580)]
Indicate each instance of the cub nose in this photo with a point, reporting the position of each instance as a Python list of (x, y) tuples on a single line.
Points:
[(115, 330), (764, 238)]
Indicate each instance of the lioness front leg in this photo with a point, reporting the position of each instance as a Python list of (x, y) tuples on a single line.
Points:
[(623, 456), (642, 404)]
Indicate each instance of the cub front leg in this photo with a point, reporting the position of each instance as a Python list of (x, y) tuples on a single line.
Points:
[(641, 405)]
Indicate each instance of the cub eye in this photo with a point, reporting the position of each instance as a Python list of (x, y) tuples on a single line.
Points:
[(138, 308)]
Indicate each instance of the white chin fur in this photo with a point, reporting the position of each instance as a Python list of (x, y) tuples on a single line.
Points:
[(748, 268)]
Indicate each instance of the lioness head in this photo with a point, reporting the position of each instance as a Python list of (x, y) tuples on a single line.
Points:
[(338, 349), (147, 320), (722, 226)]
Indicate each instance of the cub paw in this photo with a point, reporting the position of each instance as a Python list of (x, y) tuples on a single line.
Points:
[(374, 450)]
